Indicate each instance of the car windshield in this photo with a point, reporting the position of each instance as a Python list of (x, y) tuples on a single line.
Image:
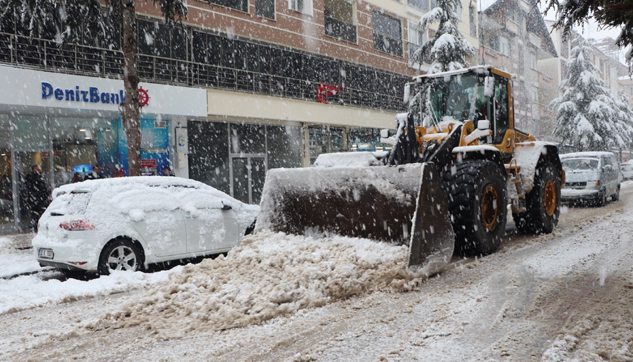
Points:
[(580, 164)]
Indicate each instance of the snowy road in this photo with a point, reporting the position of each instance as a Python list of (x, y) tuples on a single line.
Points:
[(559, 297)]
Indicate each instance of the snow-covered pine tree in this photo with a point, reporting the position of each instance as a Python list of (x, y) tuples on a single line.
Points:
[(97, 19), (446, 51), (587, 115)]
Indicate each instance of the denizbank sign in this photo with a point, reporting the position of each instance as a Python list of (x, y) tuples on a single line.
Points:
[(92, 94), (25, 89)]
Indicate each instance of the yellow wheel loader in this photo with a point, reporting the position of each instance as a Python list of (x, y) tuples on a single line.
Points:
[(444, 187)]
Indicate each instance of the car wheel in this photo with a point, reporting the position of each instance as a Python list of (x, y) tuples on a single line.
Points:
[(616, 196), (602, 198), (120, 254)]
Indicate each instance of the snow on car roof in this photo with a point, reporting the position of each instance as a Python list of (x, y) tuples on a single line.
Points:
[(93, 185), (586, 154)]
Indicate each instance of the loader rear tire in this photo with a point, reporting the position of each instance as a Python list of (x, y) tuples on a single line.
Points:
[(477, 204), (543, 202)]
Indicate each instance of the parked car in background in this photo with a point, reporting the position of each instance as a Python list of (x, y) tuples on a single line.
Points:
[(626, 169), (591, 177), (128, 223)]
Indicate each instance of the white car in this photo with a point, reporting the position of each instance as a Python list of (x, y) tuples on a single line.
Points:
[(626, 169), (128, 223)]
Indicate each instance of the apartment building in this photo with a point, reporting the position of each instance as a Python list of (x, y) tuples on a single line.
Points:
[(244, 86), (514, 37)]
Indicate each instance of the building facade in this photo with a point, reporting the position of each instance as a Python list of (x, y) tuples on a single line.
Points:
[(514, 38), (282, 81)]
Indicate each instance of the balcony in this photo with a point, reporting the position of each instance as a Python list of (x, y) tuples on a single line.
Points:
[(339, 29), (46, 55)]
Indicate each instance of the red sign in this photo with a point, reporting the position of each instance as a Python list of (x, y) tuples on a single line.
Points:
[(325, 90), (148, 163), (143, 97)]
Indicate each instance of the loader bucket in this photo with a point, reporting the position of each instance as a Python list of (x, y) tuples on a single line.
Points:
[(402, 204)]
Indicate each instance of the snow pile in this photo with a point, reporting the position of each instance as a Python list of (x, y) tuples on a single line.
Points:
[(266, 276), (30, 291)]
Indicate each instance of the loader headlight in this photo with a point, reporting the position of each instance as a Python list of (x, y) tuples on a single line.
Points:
[(593, 183)]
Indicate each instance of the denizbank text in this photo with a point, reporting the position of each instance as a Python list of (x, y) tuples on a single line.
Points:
[(92, 95)]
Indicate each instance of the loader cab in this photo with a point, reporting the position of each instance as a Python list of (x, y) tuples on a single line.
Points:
[(472, 96)]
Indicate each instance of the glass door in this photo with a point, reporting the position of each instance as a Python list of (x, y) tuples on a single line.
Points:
[(249, 173)]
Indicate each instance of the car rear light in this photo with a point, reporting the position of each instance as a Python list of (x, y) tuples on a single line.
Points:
[(78, 262), (76, 225)]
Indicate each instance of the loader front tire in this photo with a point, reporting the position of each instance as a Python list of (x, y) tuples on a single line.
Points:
[(543, 202), (477, 204)]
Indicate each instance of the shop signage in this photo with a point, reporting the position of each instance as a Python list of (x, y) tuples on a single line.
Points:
[(91, 94), (31, 90), (149, 163)]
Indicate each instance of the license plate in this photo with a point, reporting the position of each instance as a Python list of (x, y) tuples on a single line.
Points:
[(46, 253)]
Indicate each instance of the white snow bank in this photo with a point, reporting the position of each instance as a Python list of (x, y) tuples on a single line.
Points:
[(266, 276), (18, 263), (31, 291)]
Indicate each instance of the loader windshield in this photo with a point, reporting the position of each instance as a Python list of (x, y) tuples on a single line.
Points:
[(459, 97)]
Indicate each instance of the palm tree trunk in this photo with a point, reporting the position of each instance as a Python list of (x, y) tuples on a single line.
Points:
[(131, 109)]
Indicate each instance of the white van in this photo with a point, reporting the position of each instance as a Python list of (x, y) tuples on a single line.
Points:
[(591, 177)]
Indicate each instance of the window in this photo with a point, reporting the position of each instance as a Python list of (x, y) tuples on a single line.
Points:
[(504, 46), (511, 13), (533, 60), (387, 34), (493, 42), (473, 22), (502, 113), (156, 39), (302, 6), (265, 8), (241, 5), (420, 4), (534, 95), (416, 39), (460, 11), (339, 19)]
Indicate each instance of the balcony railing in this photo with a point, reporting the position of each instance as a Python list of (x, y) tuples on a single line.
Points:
[(340, 29), (76, 59)]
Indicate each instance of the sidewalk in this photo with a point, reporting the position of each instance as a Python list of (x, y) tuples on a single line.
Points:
[(16, 255)]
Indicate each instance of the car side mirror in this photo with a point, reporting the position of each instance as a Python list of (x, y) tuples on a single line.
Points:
[(226, 207)]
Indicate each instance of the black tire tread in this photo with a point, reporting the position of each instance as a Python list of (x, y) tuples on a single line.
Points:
[(461, 186)]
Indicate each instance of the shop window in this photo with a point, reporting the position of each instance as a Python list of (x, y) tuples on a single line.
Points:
[(265, 8), (284, 146), (248, 138), (387, 34), (325, 140), (79, 143), (302, 6), (209, 154)]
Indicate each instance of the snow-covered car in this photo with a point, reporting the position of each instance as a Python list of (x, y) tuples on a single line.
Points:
[(626, 169), (590, 177), (128, 223)]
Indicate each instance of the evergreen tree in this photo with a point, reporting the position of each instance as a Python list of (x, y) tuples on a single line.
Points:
[(587, 115), (608, 13), (97, 19), (446, 51)]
